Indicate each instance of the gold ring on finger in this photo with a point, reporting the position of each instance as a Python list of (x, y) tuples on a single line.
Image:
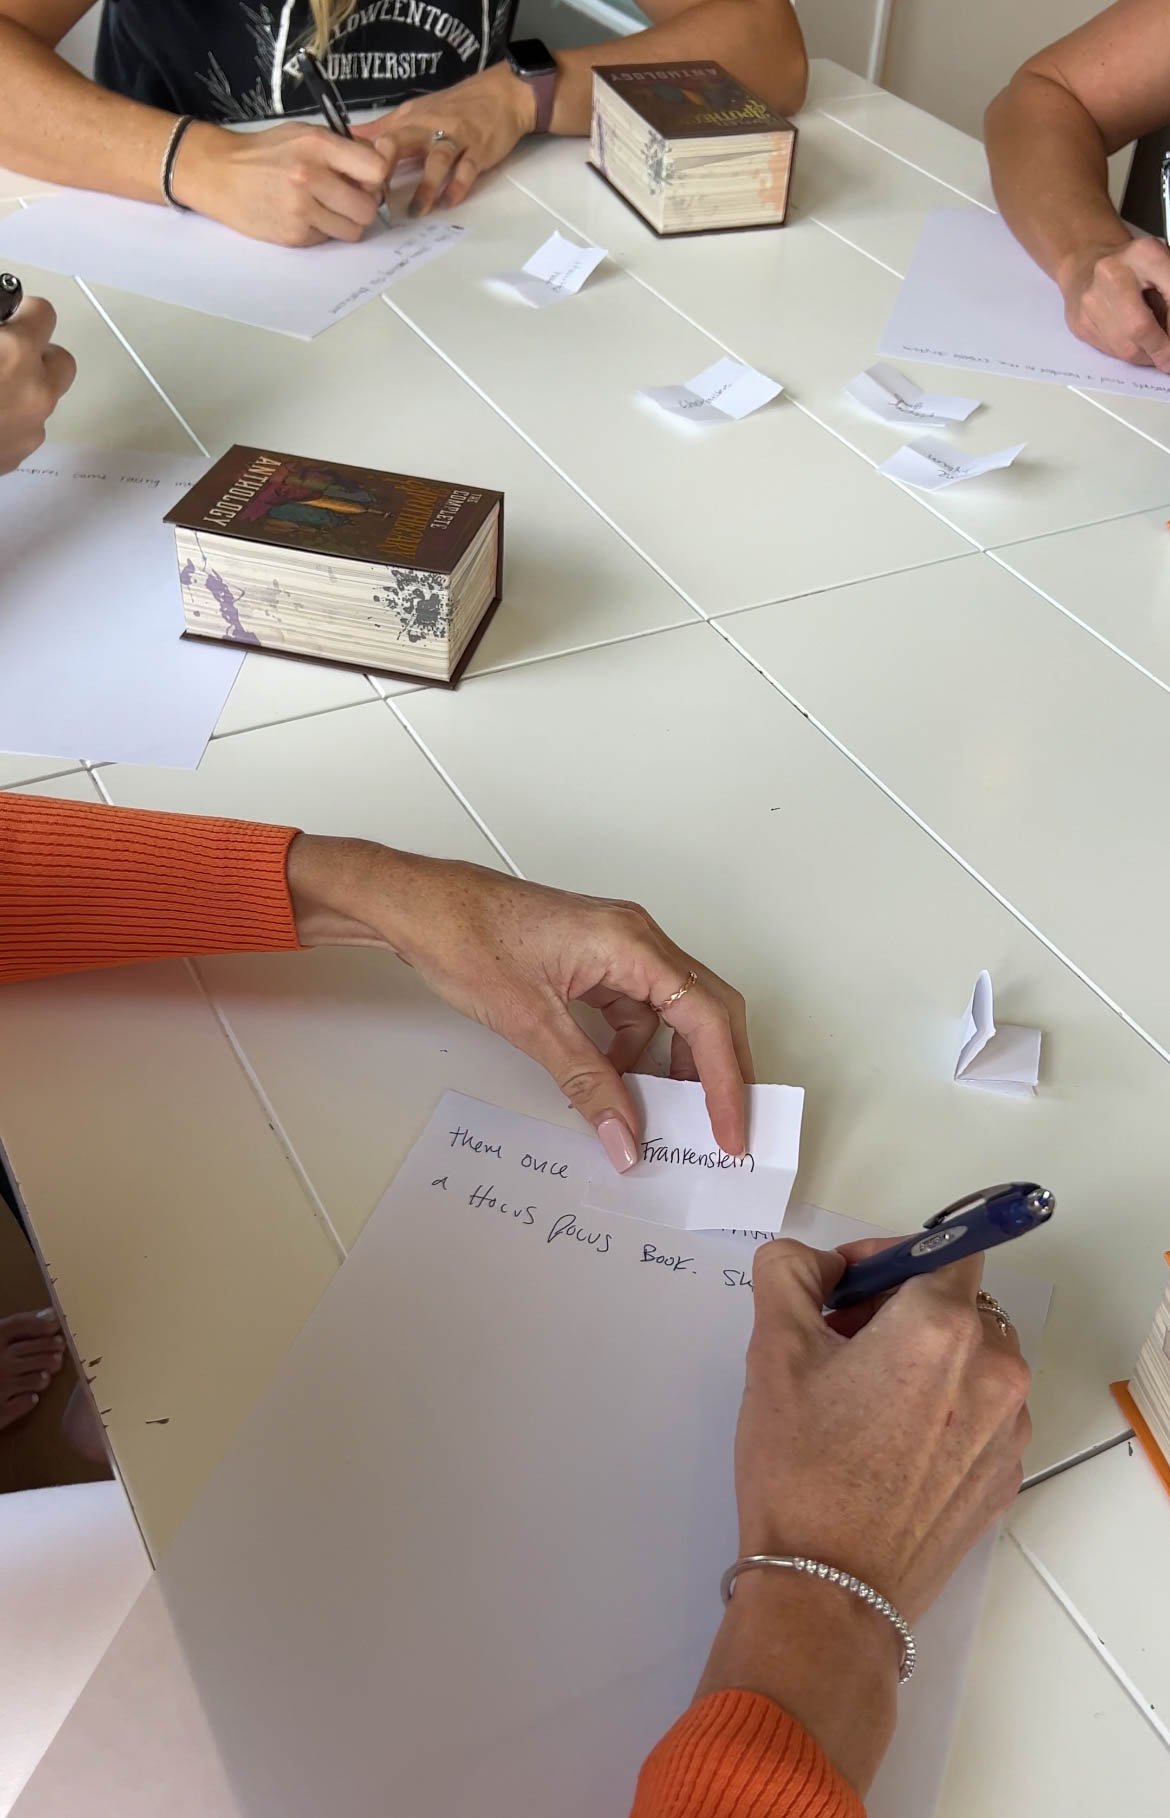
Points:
[(987, 1303), (692, 978)]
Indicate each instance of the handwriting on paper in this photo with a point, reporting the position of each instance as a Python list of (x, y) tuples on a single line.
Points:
[(930, 464), (556, 270), (722, 393), (684, 1180), (889, 394)]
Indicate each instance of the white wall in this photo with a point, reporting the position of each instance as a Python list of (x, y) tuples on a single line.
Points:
[(951, 56)]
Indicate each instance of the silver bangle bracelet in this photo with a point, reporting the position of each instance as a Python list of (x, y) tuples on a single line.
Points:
[(168, 163), (816, 1568)]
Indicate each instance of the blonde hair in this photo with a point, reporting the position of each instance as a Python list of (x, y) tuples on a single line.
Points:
[(327, 16)]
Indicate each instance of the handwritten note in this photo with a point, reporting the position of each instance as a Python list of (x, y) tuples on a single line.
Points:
[(685, 1181), (93, 663), (1003, 1058), (930, 464), (723, 392), (890, 395), (973, 298), (556, 270), (532, 1394), (189, 260)]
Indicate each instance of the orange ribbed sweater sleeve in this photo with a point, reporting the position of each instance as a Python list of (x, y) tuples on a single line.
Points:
[(84, 886), (738, 1755)]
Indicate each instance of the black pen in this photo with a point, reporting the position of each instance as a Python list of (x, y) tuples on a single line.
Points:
[(11, 296), (327, 99)]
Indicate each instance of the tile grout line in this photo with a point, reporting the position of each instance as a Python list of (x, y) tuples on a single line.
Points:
[(142, 366), (900, 156), (1108, 1660), (925, 502), (540, 453), (271, 1116), (1090, 630), (931, 833), (390, 701)]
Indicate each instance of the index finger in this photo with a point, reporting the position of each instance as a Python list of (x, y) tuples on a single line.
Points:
[(363, 164), (33, 324)]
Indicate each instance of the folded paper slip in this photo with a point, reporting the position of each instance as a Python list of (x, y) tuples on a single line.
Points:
[(383, 571), (690, 148)]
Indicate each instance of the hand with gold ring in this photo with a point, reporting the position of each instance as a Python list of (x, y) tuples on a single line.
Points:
[(516, 956), (459, 132)]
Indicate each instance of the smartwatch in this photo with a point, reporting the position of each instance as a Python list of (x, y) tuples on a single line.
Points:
[(533, 62)]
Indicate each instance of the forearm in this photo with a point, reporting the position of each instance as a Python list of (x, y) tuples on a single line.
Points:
[(83, 886), (1049, 169), (756, 40), (56, 125), (821, 1655)]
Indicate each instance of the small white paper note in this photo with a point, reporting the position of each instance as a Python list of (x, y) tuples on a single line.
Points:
[(1004, 1059), (557, 269), (721, 393), (890, 395), (684, 1180), (930, 464), (189, 260)]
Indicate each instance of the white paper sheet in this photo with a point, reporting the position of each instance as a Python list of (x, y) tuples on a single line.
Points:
[(894, 398), (189, 260), (464, 1558), (723, 392), (556, 270), (931, 464), (684, 1180), (997, 1058), (973, 298), (93, 663)]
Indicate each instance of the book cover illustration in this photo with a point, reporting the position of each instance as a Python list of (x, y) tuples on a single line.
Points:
[(683, 100), (331, 509)]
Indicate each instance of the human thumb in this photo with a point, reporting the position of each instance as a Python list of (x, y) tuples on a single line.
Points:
[(589, 1081)]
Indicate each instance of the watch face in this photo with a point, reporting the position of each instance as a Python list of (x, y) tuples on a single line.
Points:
[(531, 57)]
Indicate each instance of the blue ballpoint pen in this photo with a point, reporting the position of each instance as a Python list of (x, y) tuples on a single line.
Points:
[(977, 1222)]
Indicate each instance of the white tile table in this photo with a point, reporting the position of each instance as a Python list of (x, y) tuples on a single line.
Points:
[(916, 737)]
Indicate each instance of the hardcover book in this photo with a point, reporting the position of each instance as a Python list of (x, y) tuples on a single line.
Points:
[(690, 147), (1145, 1398), (351, 565)]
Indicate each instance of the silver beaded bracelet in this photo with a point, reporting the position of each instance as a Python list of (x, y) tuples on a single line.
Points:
[(816, 1568)]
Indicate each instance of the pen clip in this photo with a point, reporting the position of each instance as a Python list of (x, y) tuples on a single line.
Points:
[(968, 1203)]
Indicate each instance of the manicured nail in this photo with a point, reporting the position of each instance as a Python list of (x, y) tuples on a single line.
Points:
[(47, 1313), (44, 1379), (34, 1399), (617, 1142)]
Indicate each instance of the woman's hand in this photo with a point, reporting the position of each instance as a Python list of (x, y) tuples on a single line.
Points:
[(888, 1454), (34, 377), (514, 956), (293, 185), (1116, 298), (484, 119)]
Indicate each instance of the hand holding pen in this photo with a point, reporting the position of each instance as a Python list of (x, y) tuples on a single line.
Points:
[(34, 373)]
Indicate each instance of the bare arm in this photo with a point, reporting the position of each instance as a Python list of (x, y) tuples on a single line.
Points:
[(56, 125), (1049, 135), (294, 184)]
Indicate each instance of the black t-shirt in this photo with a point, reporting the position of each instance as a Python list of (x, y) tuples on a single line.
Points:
[(223, 59)]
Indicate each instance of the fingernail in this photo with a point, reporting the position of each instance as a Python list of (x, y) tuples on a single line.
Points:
[(44, 1379), (47, 1313), (34, 1399), (617, 1142)]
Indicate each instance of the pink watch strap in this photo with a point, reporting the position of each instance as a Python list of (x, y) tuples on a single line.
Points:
[(544, 88)]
